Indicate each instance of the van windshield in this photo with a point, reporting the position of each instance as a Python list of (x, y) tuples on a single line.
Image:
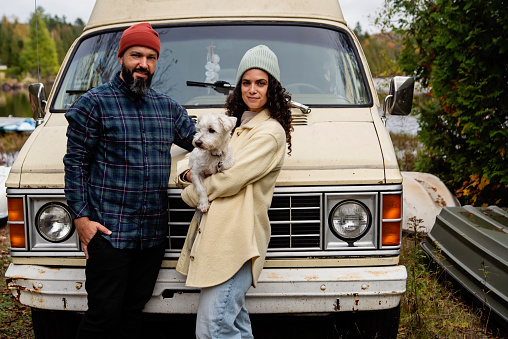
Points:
[(319, 66)]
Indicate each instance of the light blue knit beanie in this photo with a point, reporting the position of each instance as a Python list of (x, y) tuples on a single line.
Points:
[(259, 57)]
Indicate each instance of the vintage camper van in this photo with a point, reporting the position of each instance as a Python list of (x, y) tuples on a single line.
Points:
[(336, 213)]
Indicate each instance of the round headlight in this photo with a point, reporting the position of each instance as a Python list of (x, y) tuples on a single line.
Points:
[(54, 222), (350, 220)]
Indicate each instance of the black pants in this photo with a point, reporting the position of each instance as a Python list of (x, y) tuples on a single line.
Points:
[(119, 283)]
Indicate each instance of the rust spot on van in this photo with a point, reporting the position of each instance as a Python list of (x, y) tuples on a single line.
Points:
[(274, 276), (309, 278), (357, 301), (375, 273), (16, 291)]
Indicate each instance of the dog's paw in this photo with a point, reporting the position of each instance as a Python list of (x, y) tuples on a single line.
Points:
[(204, 207)]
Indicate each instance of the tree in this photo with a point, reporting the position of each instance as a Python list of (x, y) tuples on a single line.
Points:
[(12, 36), (5, 40), (62, 32), (381, 51), (39, 47), (460, 48)]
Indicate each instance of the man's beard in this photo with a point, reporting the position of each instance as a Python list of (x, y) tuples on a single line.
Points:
[(137, 86)]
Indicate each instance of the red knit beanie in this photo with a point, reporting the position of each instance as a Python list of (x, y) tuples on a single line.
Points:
[(140, 35)]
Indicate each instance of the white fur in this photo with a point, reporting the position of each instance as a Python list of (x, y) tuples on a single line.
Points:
[(212, 153)]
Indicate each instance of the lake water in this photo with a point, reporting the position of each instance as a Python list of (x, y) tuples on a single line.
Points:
[(399, 124), (15, 103)]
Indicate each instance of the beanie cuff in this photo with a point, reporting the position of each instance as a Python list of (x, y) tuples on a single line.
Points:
[(259, 57), (139, 35)]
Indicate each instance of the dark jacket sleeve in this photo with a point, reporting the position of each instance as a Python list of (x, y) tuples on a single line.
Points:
[(184, 127), (82, 137)]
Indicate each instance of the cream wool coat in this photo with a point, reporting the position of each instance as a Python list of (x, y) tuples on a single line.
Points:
[(236, 227)]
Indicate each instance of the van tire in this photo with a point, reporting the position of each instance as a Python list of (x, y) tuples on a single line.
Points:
[(369, 324), (49, 324)]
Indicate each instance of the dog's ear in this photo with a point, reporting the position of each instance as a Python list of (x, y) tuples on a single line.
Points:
[(228, 122)]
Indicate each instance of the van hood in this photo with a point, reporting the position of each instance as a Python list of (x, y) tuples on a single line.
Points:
[(335, 149), (329, 147)]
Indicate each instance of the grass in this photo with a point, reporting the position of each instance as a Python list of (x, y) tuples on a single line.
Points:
[(406, 149), (432, 306), (15, 318), (10, 144)]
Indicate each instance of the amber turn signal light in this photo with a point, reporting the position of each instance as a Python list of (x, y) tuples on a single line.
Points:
[(16, 230), (392, 213), (15, 206), (392, 206), (391, 233)]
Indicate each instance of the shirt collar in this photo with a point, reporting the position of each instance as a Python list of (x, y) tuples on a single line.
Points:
[(260, 117)]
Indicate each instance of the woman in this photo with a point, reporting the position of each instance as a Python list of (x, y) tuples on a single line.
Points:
[(224, 252)]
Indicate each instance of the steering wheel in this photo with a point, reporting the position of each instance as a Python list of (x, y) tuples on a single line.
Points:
[(294, 88)]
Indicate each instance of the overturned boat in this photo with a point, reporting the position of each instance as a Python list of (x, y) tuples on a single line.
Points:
[(471, 245)]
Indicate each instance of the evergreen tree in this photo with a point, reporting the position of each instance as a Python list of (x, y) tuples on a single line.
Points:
[(39, 45), (11, 44), (62, 32), (6, 38), (460, 48)]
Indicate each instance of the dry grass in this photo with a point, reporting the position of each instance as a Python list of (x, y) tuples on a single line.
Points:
[(15, 318), (432, 306), (406, 148), (10, 144)]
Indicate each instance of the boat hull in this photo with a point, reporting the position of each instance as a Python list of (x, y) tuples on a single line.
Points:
[(471, 244)]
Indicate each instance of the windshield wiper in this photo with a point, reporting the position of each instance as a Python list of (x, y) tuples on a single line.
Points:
[(77, 91), (220, 86), (305, 109), (225, 87)]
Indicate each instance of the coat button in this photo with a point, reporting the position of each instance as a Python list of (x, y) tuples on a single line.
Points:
[(192, 258), (199, 230)]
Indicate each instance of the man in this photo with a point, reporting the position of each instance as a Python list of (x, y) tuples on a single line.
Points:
[(117, 170)]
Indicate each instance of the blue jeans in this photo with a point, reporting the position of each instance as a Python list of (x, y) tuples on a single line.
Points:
[(221, 310)]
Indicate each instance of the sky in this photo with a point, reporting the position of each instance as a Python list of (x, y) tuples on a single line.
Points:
[(353, 10)]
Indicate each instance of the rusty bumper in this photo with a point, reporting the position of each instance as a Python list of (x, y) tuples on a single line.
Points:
[(280, 290)]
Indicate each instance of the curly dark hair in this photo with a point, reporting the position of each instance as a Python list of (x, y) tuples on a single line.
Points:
[(278, 104)]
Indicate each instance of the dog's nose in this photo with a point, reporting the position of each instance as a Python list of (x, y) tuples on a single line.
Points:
[(198, 143)]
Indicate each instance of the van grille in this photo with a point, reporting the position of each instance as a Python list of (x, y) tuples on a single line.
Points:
[(295, 221)]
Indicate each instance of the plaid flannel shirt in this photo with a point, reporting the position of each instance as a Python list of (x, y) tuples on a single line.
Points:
[(118, 161)]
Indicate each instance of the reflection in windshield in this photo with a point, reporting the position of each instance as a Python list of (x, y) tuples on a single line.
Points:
[(318, 66)]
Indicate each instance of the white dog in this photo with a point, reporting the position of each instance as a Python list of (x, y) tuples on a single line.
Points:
[(213, 152)]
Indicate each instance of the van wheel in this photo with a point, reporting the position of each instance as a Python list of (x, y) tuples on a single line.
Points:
[(368, 324), (54, 324)]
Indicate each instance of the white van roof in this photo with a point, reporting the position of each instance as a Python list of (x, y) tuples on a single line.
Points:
[(121, 12)]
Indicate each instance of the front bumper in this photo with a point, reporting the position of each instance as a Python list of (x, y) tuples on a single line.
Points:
[(280, 290)]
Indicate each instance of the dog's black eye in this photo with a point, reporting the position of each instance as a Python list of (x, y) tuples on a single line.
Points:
[(211, 130)]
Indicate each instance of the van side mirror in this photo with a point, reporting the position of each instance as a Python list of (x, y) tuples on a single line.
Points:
[(400, 96), (37, 95)]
